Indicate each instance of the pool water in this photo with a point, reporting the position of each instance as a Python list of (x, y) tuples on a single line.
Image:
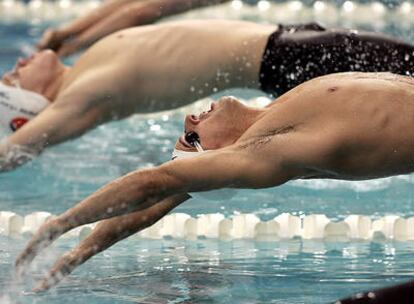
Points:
[(211, 271), (197, 271)]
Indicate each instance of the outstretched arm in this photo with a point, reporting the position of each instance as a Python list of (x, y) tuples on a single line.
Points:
[(54, 38), (113, 16), (107, 233), (93, 97), (66, 118), (142, 190)]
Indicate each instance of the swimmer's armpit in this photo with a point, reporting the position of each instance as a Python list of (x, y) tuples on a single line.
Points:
[(265, 138)]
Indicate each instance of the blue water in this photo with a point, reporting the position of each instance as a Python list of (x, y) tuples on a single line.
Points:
[(210, 271), (202, 271)]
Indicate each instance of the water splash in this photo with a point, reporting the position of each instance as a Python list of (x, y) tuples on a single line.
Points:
[(12, 156)]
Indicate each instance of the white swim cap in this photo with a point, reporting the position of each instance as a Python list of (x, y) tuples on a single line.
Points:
[(18, 106), (213, 195), (179, 154)]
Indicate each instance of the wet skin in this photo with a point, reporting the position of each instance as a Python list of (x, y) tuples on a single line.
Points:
[(138, 70), (343, 126)]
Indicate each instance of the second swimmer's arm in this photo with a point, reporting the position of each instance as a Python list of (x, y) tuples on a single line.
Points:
[(65, 118), (53, 38)]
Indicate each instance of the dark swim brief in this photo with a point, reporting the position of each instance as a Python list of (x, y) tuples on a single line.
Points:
[(297, 53)]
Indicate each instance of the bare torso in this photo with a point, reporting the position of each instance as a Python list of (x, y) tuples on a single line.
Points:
[(348, 126), (166, 66), (144, 69)]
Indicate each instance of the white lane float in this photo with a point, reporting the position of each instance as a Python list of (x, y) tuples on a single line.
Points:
[(404, 229), (360, 226), (290, 225), (239, 226), (33, 221), (350, 13), (10, 223)]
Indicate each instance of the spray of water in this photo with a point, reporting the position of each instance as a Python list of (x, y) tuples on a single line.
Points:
[(12, 155), (18, 287)]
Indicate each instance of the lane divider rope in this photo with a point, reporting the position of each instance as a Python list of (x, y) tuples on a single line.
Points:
[(349, 13), (241, 226)]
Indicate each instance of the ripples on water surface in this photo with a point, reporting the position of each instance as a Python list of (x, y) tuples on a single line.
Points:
[(204, 271), (177, 271)]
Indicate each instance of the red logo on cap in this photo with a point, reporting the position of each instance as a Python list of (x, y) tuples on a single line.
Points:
[(17, 123)]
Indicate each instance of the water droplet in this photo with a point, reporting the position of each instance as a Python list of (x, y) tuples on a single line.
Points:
[(371, 295), (359, 295)]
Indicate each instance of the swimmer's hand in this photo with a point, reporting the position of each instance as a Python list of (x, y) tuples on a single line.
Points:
[(64, 43), (110, 17), (111, 200), (65, 265), (13, 156), (51, 39), (148, 194), (105, 234), (47, 233)]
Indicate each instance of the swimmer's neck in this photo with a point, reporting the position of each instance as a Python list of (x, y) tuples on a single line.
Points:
[(247, 119), (55, 87)]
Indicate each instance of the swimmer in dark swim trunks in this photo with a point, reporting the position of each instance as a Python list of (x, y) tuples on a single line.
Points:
[(317, 130), (162, 67)]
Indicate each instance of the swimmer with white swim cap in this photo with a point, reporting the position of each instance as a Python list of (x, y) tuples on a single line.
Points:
[(317, 130), (18, 106), (128, 72)]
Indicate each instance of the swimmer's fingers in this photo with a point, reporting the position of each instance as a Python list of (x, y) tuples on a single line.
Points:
[(43, 238), (62, 268), (51, 39), (78, 42), (5, 165)]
